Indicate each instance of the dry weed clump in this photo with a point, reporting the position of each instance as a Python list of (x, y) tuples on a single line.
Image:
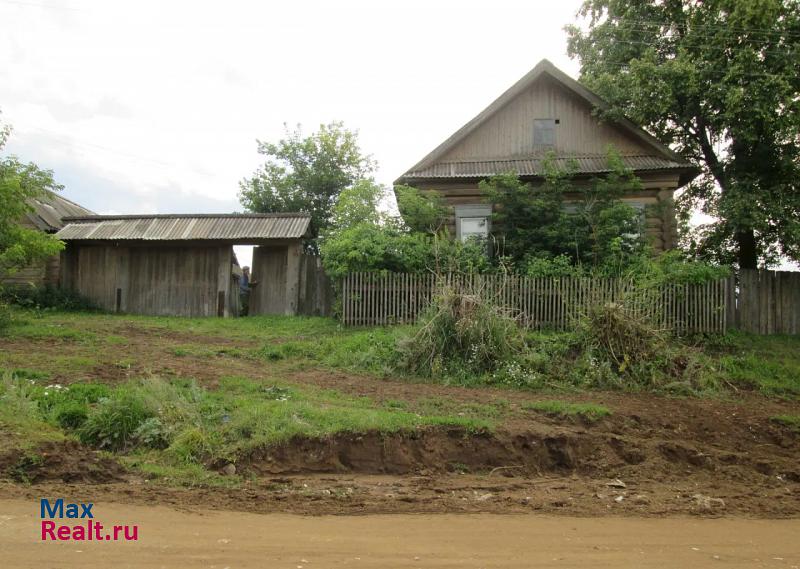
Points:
[(460, 334), (638, 352)]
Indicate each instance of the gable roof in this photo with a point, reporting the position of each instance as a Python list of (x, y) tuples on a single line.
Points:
[(184, 227), (48, 212), (660, 158)]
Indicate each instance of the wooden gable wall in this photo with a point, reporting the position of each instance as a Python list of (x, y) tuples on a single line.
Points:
[(509, 132)]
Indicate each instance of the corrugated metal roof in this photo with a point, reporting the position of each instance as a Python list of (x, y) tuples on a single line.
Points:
[(48, 212), (218, 227), (534, 166)]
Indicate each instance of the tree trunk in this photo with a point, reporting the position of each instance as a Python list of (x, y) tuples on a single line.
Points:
[(745, 238), (746, 245)]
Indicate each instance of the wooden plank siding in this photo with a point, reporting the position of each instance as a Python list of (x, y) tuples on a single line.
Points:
[(508, 133), (372, 299), (316, 295), (161, 281), (768, 302)]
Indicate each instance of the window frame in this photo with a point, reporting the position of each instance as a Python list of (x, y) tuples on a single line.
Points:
[(538, 129), (472, 211)]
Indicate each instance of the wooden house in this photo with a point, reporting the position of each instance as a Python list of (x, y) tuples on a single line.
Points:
[(548, 113), (47, 215)]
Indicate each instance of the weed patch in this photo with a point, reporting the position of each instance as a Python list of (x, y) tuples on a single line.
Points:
[(461, 334)]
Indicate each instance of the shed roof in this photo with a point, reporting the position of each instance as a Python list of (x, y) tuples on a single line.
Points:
[(48, 212), (180, 227)]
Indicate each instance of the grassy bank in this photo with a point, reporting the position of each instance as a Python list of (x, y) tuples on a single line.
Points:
[(178, 427), (734, 363), (177, 398)]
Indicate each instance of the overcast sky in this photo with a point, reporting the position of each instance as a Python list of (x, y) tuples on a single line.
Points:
[(155, 107)]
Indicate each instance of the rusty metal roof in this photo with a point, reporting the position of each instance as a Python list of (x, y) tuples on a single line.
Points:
[(48, 212), (534, 166), (178, 227)]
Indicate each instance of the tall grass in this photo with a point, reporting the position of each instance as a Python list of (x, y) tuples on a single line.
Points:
[(461, 334)]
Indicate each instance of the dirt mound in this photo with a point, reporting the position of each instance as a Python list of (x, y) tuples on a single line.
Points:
[(435, 450), (66, 461), (531, 452)]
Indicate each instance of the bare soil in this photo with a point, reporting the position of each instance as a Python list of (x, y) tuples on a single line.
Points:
[(202, 538), (653, 456)]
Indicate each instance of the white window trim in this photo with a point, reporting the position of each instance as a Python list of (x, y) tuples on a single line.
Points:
[(472, 211)]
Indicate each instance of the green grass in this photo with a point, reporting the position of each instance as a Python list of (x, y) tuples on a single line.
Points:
[(740, 362), (588, 411), (22, 425), (768, 364), (175, 428), (791, 421)]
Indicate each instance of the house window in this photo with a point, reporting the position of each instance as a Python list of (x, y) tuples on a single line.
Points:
[(474, 227), (544, 132), (640, 209), (473, 221)]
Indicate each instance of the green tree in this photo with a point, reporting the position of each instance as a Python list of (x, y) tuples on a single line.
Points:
[(421, 211), (561, 219), (357, 204), (20, 183), (306, 174), (719, 80), (362, 238)]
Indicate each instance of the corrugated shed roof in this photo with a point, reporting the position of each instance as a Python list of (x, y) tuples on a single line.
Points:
[(49, 212), (534, 166), (218, 227)]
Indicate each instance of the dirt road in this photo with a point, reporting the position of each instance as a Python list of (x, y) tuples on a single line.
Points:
[(216, 540)]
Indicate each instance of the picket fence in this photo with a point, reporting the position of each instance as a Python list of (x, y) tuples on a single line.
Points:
[(370, 299)]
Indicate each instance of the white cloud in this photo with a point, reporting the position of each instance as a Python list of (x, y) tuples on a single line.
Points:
[(155, 106)]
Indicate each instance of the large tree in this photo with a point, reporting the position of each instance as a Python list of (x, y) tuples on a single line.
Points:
[(306, 174), (21, 182), (719, 80)]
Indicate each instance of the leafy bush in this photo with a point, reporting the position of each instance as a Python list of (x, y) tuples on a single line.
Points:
[(558, 266), (462, 334), (672, 267), (46, 298), (152, 433), (597, 229)]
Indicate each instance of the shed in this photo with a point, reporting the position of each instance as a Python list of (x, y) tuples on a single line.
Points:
[(182, 265), (46, 215)]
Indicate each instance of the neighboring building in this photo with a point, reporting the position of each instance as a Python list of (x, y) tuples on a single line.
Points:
[(47, 216), (548, 111), (183, 265)]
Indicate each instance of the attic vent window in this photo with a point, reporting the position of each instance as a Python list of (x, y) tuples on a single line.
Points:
[(544, 132)]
